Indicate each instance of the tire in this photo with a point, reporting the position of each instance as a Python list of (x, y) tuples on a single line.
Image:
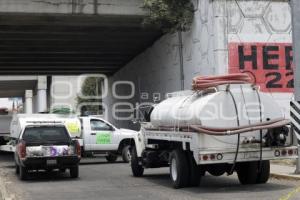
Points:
[(179, 169), (263, 173), (195, 171), (111, 158), (2, 141), (247, 172), (126, 154), (136, 168), (17, 169), (23, 173), (74, 171)]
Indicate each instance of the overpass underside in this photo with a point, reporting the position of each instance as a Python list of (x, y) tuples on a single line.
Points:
[(67, 40)]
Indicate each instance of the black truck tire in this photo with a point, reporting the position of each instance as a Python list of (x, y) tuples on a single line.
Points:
[(23, 173), (17, 169), (179, 169), (195, 171), (264, 172), (126, 154), (74, 171), (247, 172), (111, 158), (136, 168)]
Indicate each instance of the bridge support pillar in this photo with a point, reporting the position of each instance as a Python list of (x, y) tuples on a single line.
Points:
[(42, 94), (28, 101)]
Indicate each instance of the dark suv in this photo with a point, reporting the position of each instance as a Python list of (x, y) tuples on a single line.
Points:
[(46, 147)]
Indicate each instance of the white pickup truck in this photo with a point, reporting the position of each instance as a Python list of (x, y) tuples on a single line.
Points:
[(99, 136)]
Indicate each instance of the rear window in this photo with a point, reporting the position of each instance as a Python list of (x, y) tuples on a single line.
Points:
[(46, 134)]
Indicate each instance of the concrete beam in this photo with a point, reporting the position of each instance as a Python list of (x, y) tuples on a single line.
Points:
[(111, 7)]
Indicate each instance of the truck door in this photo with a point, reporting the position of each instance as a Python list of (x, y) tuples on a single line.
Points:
[(102, 136)]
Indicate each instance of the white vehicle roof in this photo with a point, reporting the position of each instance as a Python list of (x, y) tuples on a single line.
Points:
[(20, 121)]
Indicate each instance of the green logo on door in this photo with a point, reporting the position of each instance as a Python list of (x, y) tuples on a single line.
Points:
[(103, 137)]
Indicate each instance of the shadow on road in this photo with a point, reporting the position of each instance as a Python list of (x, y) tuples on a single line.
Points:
[(44, 176), (91, 162), (211, 184)]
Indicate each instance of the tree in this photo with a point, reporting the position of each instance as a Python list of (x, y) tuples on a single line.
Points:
[(91, 87), (170, 15)]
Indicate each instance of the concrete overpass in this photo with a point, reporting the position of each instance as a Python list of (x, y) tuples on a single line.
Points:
[(106, 36), (71, 36)]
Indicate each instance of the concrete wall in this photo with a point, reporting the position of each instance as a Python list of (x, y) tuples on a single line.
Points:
[(260, 22), (157, 70), (217, 23), (64, 90), (117, 7)]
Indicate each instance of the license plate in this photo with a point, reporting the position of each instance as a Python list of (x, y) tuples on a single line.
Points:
[(51, 162), (249, 155)]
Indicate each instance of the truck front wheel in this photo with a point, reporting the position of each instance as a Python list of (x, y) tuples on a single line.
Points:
[(179, 169), (126, 154), (136, 168)]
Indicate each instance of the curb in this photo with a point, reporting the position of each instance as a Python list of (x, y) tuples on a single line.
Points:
[(285, 176), (3, 191)]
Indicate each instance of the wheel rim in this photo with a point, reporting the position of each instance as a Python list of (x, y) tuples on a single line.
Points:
[(174, 169), (128, 155)]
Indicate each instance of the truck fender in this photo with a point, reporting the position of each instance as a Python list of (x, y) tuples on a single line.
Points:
[(139, 143)]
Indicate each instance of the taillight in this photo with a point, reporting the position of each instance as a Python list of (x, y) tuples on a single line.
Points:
[(22, 150), (78, 148)]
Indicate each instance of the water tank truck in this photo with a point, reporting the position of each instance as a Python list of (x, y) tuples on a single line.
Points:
[(223, 125)]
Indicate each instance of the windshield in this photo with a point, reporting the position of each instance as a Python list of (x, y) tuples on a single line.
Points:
[(46, 134)]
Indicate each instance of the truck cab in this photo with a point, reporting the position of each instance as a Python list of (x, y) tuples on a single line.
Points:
[(100, 136)]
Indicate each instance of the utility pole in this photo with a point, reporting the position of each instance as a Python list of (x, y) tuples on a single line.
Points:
[(180, 48), (295, 5)]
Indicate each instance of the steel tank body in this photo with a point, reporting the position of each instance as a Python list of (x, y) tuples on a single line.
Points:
[(238, 105)]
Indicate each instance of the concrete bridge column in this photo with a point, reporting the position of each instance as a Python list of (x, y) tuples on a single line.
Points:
[(28, 101), (41, 99)]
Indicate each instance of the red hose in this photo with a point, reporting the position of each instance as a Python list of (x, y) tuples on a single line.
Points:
[(223, 131), (204, 82)]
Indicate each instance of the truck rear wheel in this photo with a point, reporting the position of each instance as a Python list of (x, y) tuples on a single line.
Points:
[(264, 172), (247, 172), (111, 157), (251, 173), (17, 169), (74, 171), (23, 173), (136, 168), (195, 171), (179, 169), (126, 154)]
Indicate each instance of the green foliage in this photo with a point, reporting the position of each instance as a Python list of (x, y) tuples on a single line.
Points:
[(61, 110), (170, 15), (91, 87)]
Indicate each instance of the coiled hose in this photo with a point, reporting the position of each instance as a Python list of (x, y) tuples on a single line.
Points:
[(204, 82)]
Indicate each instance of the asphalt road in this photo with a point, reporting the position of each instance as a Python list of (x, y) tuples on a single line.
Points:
[(101, 180)]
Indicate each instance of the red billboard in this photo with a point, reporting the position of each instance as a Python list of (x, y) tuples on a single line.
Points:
[(270, 64)]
